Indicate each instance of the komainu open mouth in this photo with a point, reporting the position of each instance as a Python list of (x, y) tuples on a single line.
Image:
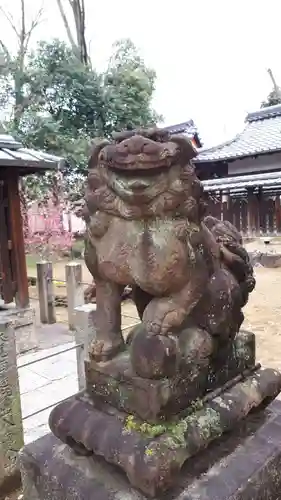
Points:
[(135, 172)]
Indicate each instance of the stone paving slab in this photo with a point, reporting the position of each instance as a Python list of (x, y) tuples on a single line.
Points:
[(44, 383)]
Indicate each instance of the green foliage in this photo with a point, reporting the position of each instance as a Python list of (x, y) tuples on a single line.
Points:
[(65, 104), (69, 92), (128, 88)]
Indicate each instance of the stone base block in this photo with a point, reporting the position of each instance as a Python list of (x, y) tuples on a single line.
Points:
[(152, 456), (116, 383), (24, 324), (243, 465), (265, 259)]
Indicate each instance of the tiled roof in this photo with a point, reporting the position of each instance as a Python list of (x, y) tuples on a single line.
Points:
[(188, 128), (13, 154), (180, 128), (262, 134)]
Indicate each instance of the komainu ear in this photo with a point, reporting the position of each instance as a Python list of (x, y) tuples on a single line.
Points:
[(188, 151), (96, 149)]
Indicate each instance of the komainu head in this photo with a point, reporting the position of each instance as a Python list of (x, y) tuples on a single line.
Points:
[(144, 173)]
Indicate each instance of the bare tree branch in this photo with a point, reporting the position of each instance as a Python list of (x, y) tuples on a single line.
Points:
[(66, 25), (23, 36), (79, 45), (9, 18), (22, 33), (5, 50), (34, 24)]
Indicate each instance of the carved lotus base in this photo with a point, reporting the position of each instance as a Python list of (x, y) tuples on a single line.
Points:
[(152, 455)]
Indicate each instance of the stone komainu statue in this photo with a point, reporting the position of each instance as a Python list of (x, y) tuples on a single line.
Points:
[(187, 374), (146, 227)]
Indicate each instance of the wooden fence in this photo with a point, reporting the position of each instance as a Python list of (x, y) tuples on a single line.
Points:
[(251, 215)]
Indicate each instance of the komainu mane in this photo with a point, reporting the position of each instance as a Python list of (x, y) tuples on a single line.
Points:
[(146, 227)]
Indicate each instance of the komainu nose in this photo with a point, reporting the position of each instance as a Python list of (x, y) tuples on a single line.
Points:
[(134, 145)]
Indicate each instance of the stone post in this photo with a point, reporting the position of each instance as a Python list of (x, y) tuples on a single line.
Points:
[(11, 430), (74, 290), (46, 292), (84, 320)]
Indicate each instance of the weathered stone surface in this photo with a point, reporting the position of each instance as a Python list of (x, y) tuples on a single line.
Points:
[(24, 323), (244, 465), (152, 456), (147, 228), (265, 259), (153, 399), (190, 278), (11, 432), (75, 291), (84, 324)]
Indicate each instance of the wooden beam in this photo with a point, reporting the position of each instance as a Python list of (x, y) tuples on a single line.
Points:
[(18, 250)]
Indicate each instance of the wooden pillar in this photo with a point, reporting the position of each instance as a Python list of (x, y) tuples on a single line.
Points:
[(6, 281), (225, 206), (220, 212), (18, 250), (262, 223), (251, 226), (229, 209), (277, 214)]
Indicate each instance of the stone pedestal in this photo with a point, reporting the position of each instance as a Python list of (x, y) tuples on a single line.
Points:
[(24, 323), (150, 428), (84, 323), (116, 382), (152, 456), (244, 465), (11, 432)]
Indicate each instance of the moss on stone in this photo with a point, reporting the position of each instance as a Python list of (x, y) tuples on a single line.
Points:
[(204, 419), (150, 430)]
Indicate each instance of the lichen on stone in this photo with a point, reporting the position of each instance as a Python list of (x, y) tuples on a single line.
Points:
[(150, 430), (205, 421)]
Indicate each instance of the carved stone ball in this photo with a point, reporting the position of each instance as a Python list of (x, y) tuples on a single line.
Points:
[(153, 356)]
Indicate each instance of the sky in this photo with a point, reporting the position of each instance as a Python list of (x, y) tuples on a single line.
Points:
[(210, 56)]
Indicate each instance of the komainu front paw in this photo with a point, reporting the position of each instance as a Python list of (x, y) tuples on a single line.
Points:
[(162, 316), (104, 350)]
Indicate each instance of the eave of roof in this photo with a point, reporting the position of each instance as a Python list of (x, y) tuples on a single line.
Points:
[(261, 135), (188, 128), (269, 179), (27, 161)]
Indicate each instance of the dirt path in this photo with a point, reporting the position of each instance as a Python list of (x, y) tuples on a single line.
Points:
[(263, 316)]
